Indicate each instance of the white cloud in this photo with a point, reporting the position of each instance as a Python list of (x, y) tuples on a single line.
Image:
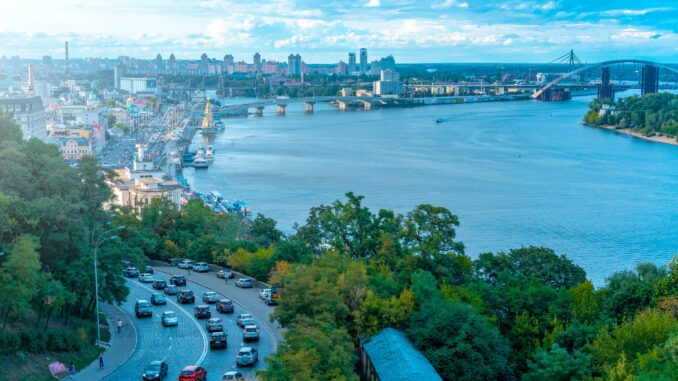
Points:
[(633, 12), (449, 4), (373, 4), (551, 5)]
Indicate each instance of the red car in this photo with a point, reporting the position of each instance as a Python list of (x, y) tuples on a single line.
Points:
[(193, 373)]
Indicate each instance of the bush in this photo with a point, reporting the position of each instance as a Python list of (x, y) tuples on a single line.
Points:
[(9, 343), (33, 342), (63, 341)]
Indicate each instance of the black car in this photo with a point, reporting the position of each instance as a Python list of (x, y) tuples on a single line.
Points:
[(203, 311), (158, 298), (148, 269), (171, 289), (156, 370), (178, 280), (225, 306), (131, 272), (159, 284), (185, 296), (142, 308), (218, 340)]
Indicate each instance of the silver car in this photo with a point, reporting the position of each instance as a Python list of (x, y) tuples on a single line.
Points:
[(169, 318), (250, 333), (244, 283)]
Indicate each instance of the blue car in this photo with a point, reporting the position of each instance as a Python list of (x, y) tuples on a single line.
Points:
[(158, 298)]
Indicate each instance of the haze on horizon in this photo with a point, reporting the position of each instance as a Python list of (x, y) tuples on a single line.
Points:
[(325, 31)]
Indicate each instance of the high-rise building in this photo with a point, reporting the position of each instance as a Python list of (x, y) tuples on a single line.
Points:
[(341, 68), (158, 63), (389, 84), (363, 61), (31, 80), (203, 63), (294, 65), (351, 63), (228, 59), (257, 63), (116, 76), (172, 62), (66, 68)]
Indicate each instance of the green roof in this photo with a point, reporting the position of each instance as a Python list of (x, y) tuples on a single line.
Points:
[(395, 358)]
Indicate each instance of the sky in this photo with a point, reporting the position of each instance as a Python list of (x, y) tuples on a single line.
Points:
[(324, 31)]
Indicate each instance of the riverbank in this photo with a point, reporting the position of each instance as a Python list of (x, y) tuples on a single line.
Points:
[(628, 131)]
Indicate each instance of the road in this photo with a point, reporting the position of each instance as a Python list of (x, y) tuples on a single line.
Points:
[(188, 343)]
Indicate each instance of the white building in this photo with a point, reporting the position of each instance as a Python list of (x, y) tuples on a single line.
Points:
[(138, 85), (29, 113), (389, 84)]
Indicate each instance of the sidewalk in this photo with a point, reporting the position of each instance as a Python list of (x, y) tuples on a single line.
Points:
[(119, 349), (246, 297)]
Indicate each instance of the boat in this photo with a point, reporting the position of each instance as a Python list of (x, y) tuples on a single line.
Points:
[(200, 163), (209, 153), (208, 125), (188, 157), (439, 120), (220, 125)]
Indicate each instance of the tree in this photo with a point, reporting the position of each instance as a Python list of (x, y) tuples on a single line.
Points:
[(460, 343), (543, 263), (584, 304), (264, 231), (19, 277), (377, 313), (557, 364), (430, 231), (631, 338)]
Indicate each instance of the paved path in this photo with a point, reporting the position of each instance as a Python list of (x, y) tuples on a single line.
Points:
[(246, 297), (121, 346)]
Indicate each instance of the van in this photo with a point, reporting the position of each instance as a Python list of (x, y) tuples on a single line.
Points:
[(142, 308)]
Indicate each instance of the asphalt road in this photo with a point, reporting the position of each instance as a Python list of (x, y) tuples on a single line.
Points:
[(186, 344)]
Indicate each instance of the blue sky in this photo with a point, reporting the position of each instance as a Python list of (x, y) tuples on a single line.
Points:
[(323, 31)]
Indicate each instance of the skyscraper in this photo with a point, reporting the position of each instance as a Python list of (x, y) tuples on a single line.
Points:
[(257, 63), (294, 65), (203, 63), (158, 63), (172, 63), (363, 60), (66, 68), (351, 63)]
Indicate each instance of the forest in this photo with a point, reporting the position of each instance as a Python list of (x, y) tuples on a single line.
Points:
[(345, 273), (650, 115)]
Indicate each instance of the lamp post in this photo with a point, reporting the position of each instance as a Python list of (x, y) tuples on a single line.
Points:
[(99, 241)]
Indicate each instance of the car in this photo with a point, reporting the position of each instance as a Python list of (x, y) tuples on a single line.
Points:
[(145, 278), (225, 306), (158, 299), (221, 274), (148, 269), (218, 340), (159, 284), (142, 308), (171, 289), (193, 373), (264, 293), (201, 267), (250, 333), (210, 297), (202, 311), (131, 272), (239, 320), (185, 264), (169, 319), (214, 325), (244, 283), (178, 280), (233, 376), (247, 356), (185, 296), (156, 370)]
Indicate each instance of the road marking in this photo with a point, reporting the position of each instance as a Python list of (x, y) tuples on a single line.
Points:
[(204, 336)]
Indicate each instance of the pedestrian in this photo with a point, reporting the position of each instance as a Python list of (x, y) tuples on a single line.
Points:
[(189, 270), (71, 369), (226, 278), (101, 361), (119, 325)]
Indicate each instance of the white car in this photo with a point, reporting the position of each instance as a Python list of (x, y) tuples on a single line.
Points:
[(233, 376), (201, 267), (146, 278), (185, 264), (265, 293)]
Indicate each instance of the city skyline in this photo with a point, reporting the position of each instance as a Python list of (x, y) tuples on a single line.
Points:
[(414, 32)]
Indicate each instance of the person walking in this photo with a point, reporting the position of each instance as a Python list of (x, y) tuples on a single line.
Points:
[(101, 361), (119, 325), (189, 270)]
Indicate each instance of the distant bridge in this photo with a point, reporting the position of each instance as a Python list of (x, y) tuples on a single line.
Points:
[(282, 103), (537, 94)]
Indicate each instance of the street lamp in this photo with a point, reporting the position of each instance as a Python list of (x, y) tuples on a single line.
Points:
[(99, 241)]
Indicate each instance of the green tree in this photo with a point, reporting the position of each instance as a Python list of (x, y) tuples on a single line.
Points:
[(19, 278), (557, 364), (264, 231), (584, 302)]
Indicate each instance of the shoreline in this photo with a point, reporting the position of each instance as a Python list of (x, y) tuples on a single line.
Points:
[(628, 131)]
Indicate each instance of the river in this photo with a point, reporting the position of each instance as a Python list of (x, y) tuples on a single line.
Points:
[(516, 173)]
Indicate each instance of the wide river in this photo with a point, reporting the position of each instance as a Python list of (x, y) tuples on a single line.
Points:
[(516, 174)]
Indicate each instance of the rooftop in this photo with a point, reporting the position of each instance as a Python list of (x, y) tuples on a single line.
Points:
[(396, 359)]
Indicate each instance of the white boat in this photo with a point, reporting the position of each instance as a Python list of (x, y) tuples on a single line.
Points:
[(209, 153), (200, 163)]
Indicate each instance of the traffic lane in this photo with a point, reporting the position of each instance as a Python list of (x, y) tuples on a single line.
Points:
[(179, 346), (219, 361), (246, 297)]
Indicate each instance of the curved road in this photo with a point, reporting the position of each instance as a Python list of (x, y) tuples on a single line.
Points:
[(186, 344)]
